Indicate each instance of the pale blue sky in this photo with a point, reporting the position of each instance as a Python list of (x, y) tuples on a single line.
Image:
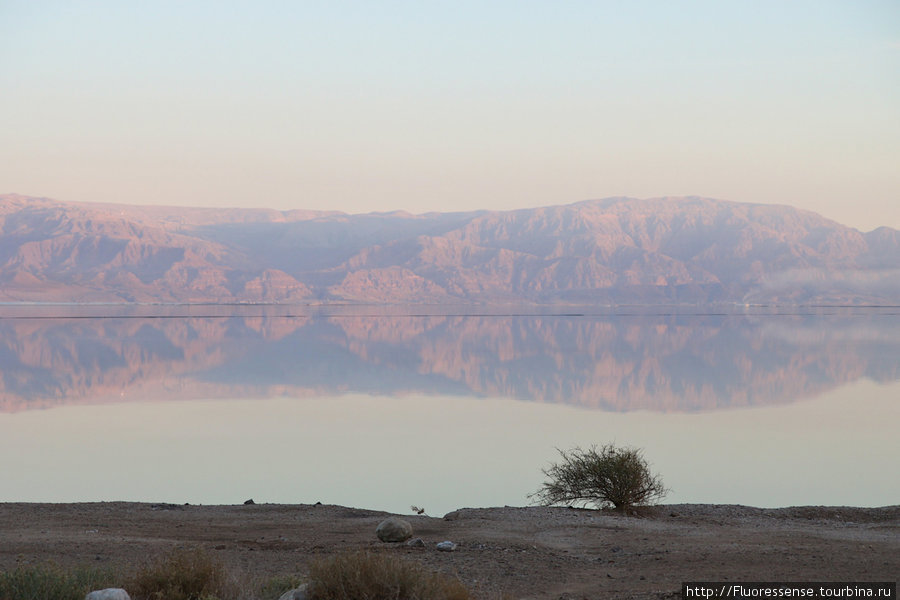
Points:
[(421, 106)]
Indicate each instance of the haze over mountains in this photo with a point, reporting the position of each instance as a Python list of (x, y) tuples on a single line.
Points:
[(611, 251)]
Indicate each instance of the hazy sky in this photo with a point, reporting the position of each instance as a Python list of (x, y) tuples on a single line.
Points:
[(421, 106)]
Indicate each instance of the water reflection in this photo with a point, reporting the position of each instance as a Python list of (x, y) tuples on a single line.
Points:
[(52, 356), (443, 453)]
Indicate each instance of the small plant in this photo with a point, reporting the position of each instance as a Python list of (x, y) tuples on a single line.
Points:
[(50, 582), (606, 476), (182, 574), (356, 575)]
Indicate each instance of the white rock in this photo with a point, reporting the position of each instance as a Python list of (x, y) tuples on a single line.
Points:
[(446, 546), (108, 594), (296, 593)]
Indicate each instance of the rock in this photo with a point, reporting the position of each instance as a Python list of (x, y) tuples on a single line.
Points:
[(416, 543), (393, 529), (108, 594), (250, 501), (446, 546), (299, 593)]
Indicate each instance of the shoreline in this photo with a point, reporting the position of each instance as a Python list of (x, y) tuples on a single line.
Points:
[(522, 552)]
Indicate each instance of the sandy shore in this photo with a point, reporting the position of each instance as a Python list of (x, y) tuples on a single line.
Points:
[(529, 552)]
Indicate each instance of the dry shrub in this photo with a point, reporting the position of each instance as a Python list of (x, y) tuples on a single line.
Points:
[(51, 582), (274, 587), (366, 576), (182, 574), (609, 475)]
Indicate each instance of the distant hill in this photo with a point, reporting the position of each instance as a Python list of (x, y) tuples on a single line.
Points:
[(611, 251)]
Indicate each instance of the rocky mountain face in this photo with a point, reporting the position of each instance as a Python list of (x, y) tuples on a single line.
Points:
[(612, 251)]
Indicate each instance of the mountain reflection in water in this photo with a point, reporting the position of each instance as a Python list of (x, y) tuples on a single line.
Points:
[(625, 361)]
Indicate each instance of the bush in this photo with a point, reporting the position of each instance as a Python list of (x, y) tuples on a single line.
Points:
[(609, 476), (49, 582), (363, 575), (182, 574)]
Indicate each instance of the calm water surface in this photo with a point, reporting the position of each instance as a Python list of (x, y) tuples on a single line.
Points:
[(385, 408)]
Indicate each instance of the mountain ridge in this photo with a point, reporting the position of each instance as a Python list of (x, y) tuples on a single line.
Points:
[(609, 251)]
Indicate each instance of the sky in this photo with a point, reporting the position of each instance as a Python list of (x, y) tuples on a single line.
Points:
[(442, 106)]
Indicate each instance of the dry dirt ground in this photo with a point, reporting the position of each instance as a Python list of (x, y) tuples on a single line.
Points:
[(532, 552)]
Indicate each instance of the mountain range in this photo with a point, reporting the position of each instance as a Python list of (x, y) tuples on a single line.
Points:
[(613, 251)]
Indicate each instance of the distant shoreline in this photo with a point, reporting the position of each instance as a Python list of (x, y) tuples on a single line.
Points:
[(642, 511)]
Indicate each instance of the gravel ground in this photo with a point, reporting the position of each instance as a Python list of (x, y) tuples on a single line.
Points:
[(532, 552)]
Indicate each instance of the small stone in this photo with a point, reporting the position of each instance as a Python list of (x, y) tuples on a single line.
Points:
[(108, 594), (250, 501), (416, 543), (446, 546), (393, 529), (300, 593)]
